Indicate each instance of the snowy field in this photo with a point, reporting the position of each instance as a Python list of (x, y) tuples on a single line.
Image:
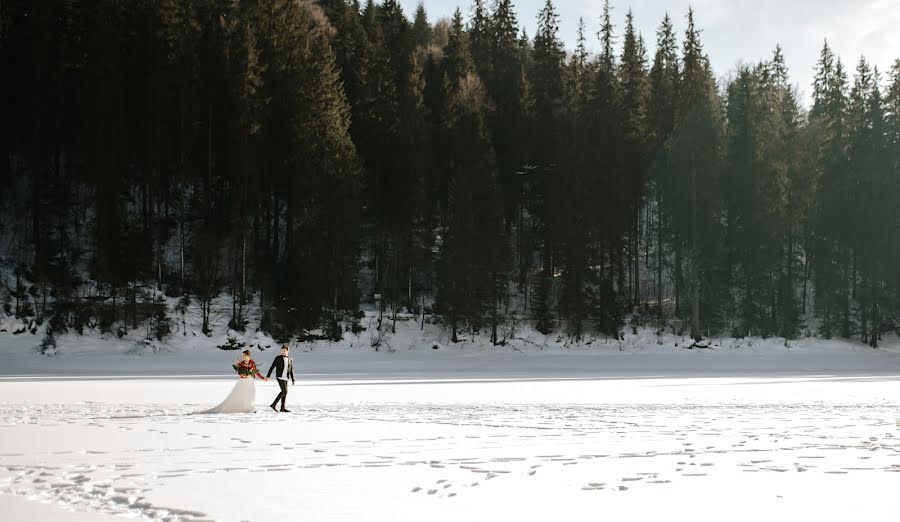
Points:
[(637, 432)]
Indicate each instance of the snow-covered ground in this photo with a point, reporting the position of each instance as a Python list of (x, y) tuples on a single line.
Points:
[(632, 430)]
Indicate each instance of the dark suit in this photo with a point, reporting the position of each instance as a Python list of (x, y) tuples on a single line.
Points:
[(278, 366)]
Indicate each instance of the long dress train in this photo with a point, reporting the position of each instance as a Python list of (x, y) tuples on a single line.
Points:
[(240, 400)]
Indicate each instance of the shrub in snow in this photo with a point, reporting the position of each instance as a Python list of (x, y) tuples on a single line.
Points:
[(232, 342), (332, 328), (48, 344), (239, 325), (25, 309), (312, 335), (380, 338), (356, 327), (106, 320), (144, 346), (262, 341), (58, 324), (541, 313), (84, 318), (279, 332), (162, 328)]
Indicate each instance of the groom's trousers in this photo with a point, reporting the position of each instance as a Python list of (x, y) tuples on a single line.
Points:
[(283, 395)]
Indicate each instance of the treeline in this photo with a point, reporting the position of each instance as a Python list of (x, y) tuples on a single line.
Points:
[(305, 157), (185, 147)]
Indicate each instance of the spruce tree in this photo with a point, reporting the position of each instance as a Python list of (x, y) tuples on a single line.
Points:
[(830, 253), (421, 27), (635, 130), (790, 153), (608, 186), (507, 122), (472, 256), (696, 157), (546, 80), (871, 207), (576, 215), (663, 86), (5, 174), (755, 186), (892, 191)]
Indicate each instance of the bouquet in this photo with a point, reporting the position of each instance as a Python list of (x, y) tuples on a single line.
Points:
[(245, 371)]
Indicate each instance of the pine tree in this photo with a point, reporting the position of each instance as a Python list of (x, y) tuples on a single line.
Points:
[(250, 106), (892, 191), (696, 156), (871, 209), (663, 85), (635, 129), (458, 61), (831, 257), (421, 28), (472, 257), (576, 216), (308, 112), (104, 146), (451, 289), (755, 186), (507, 86), (480, 40), (508, 89), (546, 79), (608, 188), (607, 39), (5, 145), (789, 152)]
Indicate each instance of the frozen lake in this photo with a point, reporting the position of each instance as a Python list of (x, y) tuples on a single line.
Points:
[(575, 437)]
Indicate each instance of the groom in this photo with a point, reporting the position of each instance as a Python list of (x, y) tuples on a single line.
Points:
[(283, 366)]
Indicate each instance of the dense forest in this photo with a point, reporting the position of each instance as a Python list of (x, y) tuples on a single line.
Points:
[(305, 157)]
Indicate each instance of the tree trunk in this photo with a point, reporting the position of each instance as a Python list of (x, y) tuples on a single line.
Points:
[(695, 261), (788, 321), (845, 297), (18, 286), (243, 292), (876, 316), (453, 337), (679, 276), (636, 260), (494, 303), (134, 305), (807, 259), (182, 234), (659, 257), (276, 223), (159, 248), (263, 316)]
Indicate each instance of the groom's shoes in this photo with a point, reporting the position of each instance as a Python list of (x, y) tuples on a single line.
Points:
[(273, 408)]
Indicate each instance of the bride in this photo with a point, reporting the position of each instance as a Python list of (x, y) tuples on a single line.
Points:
[(243, 395)]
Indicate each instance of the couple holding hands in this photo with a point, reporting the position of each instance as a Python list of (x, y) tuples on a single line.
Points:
[(243, 395)]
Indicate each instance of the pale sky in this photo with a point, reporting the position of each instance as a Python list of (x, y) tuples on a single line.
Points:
[(735, 31)]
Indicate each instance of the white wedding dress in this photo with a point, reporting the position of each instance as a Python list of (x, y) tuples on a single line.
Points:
[(240, 400)]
